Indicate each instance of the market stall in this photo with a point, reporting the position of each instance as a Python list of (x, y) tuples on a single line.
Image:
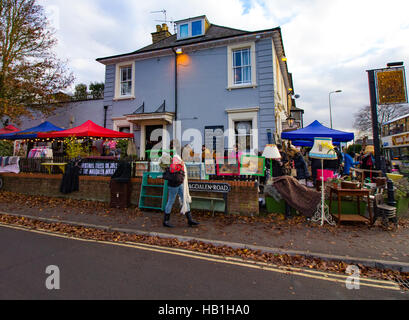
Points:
[(93, 165), (32, 133), (8, 129), (87, 129), (317, 130)]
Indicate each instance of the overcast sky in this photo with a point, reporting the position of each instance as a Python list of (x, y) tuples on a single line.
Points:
[(329, 43)]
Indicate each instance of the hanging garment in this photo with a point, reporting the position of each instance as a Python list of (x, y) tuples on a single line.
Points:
[(70, 179), (131, 151)]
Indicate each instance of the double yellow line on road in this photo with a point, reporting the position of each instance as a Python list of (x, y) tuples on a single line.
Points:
[(307, 273)]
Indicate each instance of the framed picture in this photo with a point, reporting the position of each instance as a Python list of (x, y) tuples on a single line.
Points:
[(228, 167), (140, 168), (252, 165), (210, 167)]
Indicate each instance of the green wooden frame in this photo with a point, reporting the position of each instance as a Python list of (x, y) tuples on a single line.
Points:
[(242, 172)]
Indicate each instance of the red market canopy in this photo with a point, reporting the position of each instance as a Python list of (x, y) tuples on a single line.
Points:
[(87, 129), (9, 129)]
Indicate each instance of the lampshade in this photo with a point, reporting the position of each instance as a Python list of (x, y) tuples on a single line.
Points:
[(271, 152), (323, 149)]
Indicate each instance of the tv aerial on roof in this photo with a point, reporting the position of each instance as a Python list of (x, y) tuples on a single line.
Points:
[(166, 19)]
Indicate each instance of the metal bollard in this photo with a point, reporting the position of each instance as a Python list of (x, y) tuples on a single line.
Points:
[(391, 194)]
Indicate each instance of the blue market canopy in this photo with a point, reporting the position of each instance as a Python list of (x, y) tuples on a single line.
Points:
[(308, 143), (32, 132), (317, 130)]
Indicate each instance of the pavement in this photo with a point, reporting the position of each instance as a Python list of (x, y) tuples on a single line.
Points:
[(351, 243)]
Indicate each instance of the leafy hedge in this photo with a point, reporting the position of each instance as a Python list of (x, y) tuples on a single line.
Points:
[(6, 148)]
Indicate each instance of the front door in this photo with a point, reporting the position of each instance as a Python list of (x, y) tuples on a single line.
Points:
[(153, 137)]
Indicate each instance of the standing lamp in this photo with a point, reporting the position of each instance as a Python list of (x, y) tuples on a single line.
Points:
[(271, 152), (323, 149)]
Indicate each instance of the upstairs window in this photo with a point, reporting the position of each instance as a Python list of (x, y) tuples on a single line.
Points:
[(126, 81), (190, 29), (184, 31), (242, 66), (197, 28)]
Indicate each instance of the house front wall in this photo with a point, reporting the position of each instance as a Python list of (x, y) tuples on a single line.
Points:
[(204, 96)]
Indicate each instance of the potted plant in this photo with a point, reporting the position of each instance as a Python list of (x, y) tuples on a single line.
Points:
[(335, 182)]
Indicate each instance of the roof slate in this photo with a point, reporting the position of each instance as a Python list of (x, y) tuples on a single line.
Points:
[(214, 32)]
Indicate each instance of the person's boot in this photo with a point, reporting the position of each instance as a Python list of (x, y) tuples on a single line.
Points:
[(166, 221), (190, 221)]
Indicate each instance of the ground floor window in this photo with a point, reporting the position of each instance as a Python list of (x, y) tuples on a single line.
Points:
[(243, 129), (242, 132)]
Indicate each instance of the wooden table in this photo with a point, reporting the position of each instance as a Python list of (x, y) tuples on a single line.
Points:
[(50, 165), (353, 193)]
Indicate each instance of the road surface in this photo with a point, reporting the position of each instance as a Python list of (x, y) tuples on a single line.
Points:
[(94, 270)]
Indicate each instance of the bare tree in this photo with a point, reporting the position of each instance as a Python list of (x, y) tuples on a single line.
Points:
[(31, 77), (363, 118)]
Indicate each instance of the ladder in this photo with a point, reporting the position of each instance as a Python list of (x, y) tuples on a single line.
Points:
[(146, 186)]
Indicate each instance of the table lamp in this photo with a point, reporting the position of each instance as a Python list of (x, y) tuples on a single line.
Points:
[(324, 150), (271, 152)]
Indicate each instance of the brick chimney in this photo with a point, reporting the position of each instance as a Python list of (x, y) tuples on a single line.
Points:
[(162, 32)]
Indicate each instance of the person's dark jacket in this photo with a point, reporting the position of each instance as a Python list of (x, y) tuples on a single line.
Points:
[(331, 165), (278, 168), (301, 167), (315, 165), (123, 172), (174, 179)]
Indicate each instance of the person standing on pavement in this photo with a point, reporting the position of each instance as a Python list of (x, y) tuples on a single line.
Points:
[(176, 175), (349, 162)]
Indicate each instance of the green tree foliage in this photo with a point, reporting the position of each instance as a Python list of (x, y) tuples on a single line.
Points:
[(30, 73), (74, 148), (356, 148), (97, 89), (123, 146), (6, 148), (81, 92)]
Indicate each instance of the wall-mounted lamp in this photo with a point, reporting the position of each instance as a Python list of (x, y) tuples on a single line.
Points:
[(179, 51), (283, 58), (290, 121)]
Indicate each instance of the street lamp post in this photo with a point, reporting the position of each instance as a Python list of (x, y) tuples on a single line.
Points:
[(330, 111)]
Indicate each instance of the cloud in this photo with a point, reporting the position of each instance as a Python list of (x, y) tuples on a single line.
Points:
[(329, 44)]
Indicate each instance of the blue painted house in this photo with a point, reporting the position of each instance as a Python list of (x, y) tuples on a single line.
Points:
[(204, 84)]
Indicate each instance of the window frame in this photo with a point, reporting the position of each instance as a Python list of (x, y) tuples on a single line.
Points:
[(247, 135), (118, 80), (180, 32), (247, 114), (242, 67), (189, 24), (230, 65)]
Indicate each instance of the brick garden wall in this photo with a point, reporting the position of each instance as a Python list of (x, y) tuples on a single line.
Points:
[(243, 198)]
